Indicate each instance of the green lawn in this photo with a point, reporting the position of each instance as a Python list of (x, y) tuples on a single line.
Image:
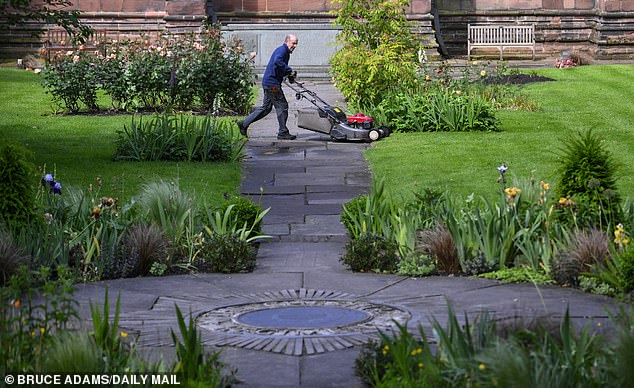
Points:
[(600, 98), (80, 148)]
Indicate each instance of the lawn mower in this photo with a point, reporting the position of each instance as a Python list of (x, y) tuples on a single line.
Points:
[(331, 120)]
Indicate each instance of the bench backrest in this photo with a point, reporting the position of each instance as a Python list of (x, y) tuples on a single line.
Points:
[(496, 34)]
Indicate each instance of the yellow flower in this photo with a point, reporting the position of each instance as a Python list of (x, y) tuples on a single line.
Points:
[(482, 367), (512, 192), (620, 237), (42, 330), (475, 63), (483, 73), (544, 185), (419, 350), (385, 349), (420, 365), (123, 334), (458, 92), (427, 78)]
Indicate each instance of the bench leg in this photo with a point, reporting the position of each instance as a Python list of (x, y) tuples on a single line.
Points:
[(501, 51)]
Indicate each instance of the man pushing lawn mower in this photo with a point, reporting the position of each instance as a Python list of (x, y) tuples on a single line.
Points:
[(274, 74)]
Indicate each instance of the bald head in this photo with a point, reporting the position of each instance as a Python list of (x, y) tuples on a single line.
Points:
[(291, 42)]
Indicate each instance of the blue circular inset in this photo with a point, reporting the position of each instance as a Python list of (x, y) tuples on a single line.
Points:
[(303, 317)]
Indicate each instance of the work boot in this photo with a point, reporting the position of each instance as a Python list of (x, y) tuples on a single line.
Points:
[(286, 136), (243, 129)]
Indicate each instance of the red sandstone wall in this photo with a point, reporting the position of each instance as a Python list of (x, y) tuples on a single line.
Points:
[(295, 6)]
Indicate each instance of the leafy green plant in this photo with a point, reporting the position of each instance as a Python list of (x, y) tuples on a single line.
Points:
[(16, 193), (416, 265), (371, 252), (165, 205), (226, 253), (400, 359), (192, 364), (518, 275)]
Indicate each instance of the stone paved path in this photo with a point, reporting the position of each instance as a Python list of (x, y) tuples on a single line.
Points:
[(305, 182)]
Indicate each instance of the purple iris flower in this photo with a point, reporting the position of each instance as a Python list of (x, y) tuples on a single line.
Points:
[(57, 188), (48, 177)]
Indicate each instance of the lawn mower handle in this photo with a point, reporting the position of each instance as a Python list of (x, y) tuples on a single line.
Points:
[(301, 92)]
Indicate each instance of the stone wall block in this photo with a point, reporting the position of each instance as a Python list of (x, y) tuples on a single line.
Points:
[(135, 5), (278, 5), (112, 6), (627, 5), (420, 7), (309, 5), (612, 5), (185, 7), (88, 5), (227, 6), (252, 5), (553, 4), (584, 4)]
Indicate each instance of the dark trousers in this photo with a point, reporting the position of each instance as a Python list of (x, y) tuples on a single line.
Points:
[(273, 97)]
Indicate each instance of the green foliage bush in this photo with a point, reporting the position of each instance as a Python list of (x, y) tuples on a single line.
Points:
[(245, 211), (72, 81), (169, 137), (186, 71), (371, 252), (587, 176), (378, 50), (226, 253), (17, 195)]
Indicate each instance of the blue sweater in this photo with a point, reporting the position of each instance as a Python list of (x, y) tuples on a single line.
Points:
[(277, 67)]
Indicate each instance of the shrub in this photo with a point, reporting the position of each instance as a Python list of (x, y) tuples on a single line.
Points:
[(587, 178), (566, 270), (16, 191), (71, 80), (371, 252), (378, 50), (245, 211), (226, 253)]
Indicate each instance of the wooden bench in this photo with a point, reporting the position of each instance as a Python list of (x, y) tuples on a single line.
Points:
[(500, 36)]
